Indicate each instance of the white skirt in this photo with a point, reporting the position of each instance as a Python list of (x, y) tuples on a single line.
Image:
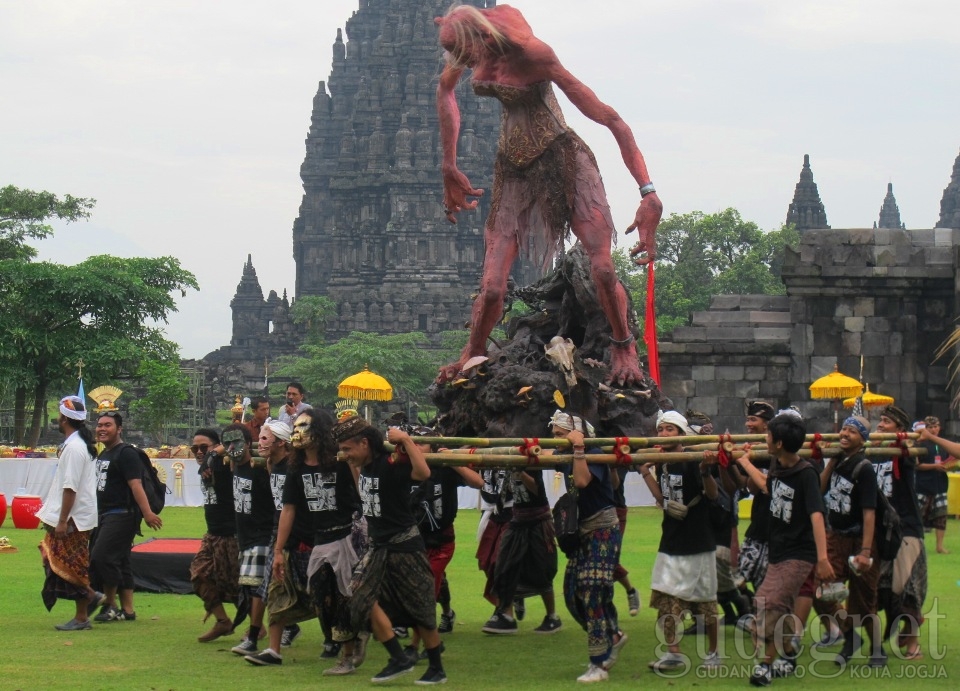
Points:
[(692, 577)]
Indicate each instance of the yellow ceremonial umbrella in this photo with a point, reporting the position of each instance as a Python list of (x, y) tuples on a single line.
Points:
[(836, 386), (365, 386), (870, 400)]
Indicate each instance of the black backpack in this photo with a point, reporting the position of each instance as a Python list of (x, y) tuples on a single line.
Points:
[(887, 525), (155, 488), (566, 523)]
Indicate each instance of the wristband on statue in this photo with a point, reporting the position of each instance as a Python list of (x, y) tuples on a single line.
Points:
[(647, 189)]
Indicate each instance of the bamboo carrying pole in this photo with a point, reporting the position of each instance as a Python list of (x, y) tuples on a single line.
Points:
[(634, 442), (499, 460)]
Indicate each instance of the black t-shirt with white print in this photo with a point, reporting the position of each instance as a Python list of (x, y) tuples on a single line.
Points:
[(115, 468), (218, 497), (794, 497), (278, 477), (325, 498), (523, 498), (385, 493), (692, 535), (902, 493), (436, 501), (847, 496), (252, 505)]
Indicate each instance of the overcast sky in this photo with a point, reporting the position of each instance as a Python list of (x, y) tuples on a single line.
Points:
[(186, 120)]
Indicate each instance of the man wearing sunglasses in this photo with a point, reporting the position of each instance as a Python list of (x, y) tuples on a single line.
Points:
[(215, 571)]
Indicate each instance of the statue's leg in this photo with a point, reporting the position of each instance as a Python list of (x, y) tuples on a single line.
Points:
[(594, 230), (501, 251)]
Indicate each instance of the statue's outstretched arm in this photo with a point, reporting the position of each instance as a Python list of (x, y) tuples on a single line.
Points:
[(456, 186), (648, 214)]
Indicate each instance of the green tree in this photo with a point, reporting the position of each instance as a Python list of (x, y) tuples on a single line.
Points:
[(165, 392), (404, 360), (312, 313), (23, 216), (700, 255), (104, 311)]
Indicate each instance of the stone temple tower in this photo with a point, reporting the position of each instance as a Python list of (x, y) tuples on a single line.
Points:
[(950, 203), (806, 210), (371, 233)]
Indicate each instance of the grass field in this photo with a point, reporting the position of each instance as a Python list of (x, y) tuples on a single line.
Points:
[(160, 651)]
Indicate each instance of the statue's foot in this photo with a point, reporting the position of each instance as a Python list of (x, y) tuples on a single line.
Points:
[(449, 372), (625, 368)]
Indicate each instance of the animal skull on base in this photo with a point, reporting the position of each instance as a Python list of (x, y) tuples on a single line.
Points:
[(560, 352)]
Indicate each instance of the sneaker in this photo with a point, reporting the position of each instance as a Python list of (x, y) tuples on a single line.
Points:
[(412, 653), (519, 609), (267, 657), (289, 635), (360, 650), (593, 673), (852, 642), (551, 624), (670, 662), (74, 625), (330, 650), (761, 675), (98, 600), (394, 669), (830, 638), (878, 659), (401, 632), (711, 661), (499, 623), (107, 613), (246, 647), (446, 622), (432, 676), (126, 616), (783, 667), (633, 602), (747, 623), (342, 668), (615, 652)]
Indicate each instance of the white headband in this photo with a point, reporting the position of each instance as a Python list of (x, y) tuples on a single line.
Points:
[(570, 423), (791, 411), (72, 407), (672, 417), (281, 430)]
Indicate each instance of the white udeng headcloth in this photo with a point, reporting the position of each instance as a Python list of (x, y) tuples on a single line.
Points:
[(72, 407), (571, 422), (281, 430), (672, 417)]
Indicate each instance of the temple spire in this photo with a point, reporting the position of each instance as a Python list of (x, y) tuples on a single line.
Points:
[(806, 210), (249, 286), (889, 212), (950, 203)]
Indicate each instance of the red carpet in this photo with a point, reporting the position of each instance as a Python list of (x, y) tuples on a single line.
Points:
[(162, 565), (168, 545)]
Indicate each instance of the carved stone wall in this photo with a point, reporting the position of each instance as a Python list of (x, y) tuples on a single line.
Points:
[(887, 296)]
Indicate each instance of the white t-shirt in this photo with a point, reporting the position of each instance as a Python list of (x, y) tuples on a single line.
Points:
[(76, 470)]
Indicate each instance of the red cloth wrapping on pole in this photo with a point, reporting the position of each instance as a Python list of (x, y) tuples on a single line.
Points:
[(650, 327)]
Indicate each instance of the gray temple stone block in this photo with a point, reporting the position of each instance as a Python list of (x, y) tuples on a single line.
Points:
[(855, 324), (704, 372)]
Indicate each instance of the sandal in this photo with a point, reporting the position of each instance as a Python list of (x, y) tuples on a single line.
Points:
[(915, 654)]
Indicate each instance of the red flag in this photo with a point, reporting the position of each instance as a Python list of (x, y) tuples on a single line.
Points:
[(650, 327)]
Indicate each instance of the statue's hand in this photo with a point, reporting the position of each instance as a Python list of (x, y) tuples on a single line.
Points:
[(456, 189), (645, 223)]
